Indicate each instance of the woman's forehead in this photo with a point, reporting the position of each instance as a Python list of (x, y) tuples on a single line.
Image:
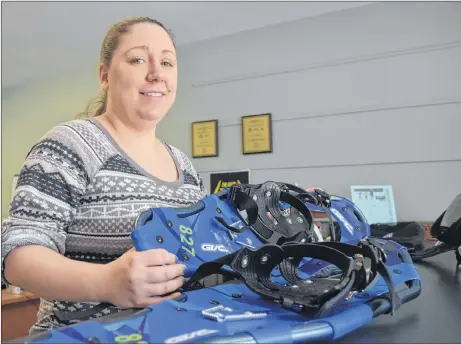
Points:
[(146, 34)]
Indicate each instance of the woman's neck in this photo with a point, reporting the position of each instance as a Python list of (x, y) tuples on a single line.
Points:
[(129, 134)]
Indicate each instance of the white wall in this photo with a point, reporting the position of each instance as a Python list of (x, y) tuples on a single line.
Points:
[(370, 95)]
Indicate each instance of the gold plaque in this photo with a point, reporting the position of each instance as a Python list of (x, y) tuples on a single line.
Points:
[(257, 134), (205, 139)]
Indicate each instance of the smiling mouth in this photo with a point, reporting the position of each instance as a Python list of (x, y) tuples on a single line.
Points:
[(152, 94)]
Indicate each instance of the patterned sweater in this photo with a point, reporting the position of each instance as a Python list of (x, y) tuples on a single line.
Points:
[(78, 193)]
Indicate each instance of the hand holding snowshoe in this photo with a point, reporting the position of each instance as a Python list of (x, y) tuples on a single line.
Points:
[(139, 279)]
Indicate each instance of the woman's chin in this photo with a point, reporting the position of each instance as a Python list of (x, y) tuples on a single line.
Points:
[(151, 116)]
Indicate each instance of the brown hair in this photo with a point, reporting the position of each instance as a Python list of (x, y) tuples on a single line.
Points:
[(108, 47)]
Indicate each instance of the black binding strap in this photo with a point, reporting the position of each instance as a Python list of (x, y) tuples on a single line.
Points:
[(318, 197), (375, 251), (254, 268), (240, 201), (278, 227), (366, 248)]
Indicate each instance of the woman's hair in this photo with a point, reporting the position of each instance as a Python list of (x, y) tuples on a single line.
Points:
[(108, 47)]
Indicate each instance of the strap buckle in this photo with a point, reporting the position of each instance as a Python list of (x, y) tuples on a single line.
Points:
[(379, 252), (363, 277), (217, 314)]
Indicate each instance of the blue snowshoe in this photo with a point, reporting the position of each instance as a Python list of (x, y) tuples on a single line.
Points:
[(222, 223), (246, 218)]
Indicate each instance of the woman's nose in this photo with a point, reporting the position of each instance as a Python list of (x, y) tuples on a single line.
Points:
[(155, 73), (151, 77)]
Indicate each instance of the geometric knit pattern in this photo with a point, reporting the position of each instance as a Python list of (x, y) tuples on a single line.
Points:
[(78, 193)]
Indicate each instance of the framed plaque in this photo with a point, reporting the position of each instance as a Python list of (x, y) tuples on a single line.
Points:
[(257, 134), (205, 139)]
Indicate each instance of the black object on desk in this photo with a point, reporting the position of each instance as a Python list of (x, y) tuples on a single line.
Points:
[(434, 317)]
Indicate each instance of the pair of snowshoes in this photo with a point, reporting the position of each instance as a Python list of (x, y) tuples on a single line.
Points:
[(285, 281)]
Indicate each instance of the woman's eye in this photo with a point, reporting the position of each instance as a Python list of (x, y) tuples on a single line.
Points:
[(138, 60), (167, 63)]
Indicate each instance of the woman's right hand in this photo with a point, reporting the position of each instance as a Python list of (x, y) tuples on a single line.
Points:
[(139, 279)]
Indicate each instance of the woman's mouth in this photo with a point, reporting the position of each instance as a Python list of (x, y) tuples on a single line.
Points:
[(152, 94)]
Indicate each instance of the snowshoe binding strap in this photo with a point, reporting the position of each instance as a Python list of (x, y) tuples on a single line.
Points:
[(315, 294), (272, 225), (241, 202), (376, 252), (317, 198)]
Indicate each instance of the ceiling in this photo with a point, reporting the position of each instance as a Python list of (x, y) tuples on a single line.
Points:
[(42, 38)]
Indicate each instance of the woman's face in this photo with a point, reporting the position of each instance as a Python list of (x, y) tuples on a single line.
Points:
[(142, 78)]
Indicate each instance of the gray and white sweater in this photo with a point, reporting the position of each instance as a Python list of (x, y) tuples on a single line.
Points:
[(79, 193)]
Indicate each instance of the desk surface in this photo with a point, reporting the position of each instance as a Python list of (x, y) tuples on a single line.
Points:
[(10, 298), (434, 317)]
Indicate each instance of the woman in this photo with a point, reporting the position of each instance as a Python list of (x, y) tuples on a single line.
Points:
[(67, 236)]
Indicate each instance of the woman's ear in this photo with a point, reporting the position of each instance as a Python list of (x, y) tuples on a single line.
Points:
[(104, 77)]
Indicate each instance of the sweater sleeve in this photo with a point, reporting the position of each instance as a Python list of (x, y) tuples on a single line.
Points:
[(50, 184)]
